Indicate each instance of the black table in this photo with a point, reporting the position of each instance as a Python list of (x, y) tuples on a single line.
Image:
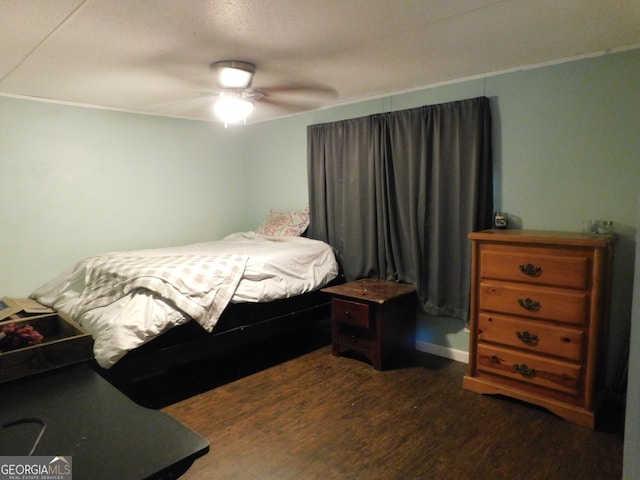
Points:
[(107, 435)]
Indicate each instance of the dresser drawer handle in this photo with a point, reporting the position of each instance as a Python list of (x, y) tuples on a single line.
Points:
[(524, 370), (528, 338), (528, 304), (530, 269)]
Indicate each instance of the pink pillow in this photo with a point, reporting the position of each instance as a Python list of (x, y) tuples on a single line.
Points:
[(278, 224)]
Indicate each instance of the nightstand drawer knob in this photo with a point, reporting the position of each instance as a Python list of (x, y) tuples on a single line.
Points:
[(528, 338), (528, 304), (524, 370), (530, 269)]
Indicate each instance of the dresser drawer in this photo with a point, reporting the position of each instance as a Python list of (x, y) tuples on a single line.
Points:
[(561, 268), (538, 337), (351, 313), (565, 306), (557, 375)]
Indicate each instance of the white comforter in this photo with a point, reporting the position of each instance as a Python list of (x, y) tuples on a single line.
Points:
[(125, 299)]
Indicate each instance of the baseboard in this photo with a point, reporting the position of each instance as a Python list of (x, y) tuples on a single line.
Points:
[(446, 352)]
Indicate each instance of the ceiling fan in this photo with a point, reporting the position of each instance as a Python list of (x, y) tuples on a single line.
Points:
[(236, 97)]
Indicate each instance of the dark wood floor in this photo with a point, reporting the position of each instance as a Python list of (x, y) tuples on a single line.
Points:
[(316, 416)]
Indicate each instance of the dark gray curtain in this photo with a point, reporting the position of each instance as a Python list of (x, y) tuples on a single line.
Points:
[(397, 193)]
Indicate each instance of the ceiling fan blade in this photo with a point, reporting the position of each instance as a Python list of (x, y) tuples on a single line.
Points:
[(285, 106), (297, 98), (319, 92), (188, 107)]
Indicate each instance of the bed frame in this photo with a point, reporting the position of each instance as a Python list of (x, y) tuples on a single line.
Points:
[(241, 324)]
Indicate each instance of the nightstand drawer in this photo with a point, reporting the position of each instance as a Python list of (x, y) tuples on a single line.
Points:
[(537, 337), (351, 313), (358, 340), (534, 265), (564, 377), (566, 306)]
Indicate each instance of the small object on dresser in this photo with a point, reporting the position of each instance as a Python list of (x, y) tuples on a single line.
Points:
[(589, 226), (501, 220), (605, 226)]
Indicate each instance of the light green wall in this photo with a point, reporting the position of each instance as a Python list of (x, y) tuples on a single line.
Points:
[(568, 141), (79, 181)]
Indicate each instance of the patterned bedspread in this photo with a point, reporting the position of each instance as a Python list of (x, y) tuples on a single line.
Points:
[(199, 286)]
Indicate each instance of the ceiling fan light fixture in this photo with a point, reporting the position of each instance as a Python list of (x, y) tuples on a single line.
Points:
[(232, 107), (233, 73)]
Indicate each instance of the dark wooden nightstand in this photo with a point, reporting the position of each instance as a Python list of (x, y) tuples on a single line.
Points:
[(373, 317)]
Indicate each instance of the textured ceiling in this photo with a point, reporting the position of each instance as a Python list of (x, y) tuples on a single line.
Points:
[(153, 56)]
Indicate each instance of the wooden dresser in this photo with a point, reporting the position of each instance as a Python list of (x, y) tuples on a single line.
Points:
[(539, 313)]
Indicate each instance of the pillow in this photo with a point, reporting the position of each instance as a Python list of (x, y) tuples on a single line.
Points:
[(278, 224)]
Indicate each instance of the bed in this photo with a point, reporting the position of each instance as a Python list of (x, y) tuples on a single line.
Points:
[(148, 310)]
